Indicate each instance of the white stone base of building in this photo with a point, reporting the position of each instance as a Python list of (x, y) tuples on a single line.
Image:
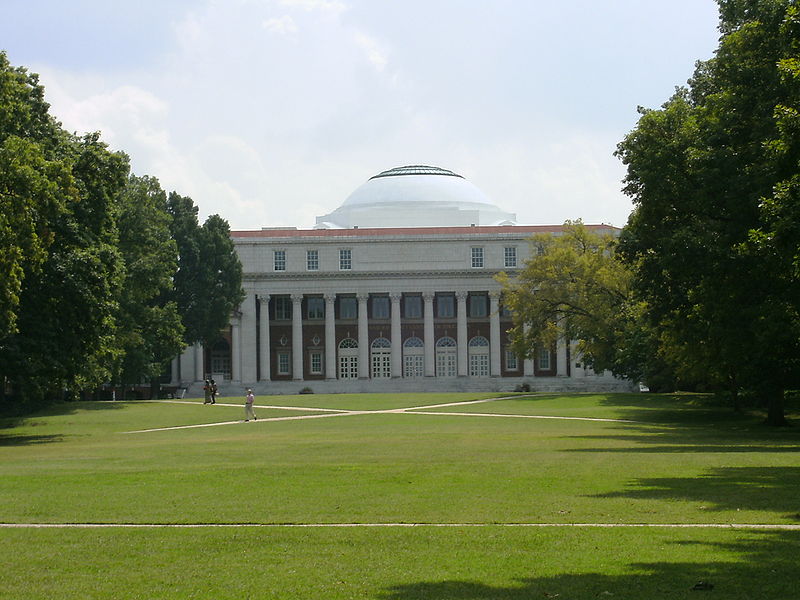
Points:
[(599, 384)]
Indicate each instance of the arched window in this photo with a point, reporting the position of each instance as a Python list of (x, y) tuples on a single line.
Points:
[(446, 357), (381, 342), (381, 358), (348, 359), (413, 357), (479, 357)]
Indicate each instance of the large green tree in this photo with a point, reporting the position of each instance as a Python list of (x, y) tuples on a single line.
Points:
[(575, 287), (208, 283), (709, 174), (149, 329), (61, 265)]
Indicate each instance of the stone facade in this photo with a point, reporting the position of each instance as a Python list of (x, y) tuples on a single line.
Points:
[(381, 308)]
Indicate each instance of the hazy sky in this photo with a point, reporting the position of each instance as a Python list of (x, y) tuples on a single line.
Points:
[(271, 112)]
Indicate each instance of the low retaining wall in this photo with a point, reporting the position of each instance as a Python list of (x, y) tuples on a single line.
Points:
[(420, 385)]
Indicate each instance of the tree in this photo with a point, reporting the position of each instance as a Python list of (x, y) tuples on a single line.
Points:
[(705, 173), (575, 287), (208, 283), (149, 329), (59, 299)]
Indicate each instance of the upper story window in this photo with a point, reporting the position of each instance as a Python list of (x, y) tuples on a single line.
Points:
[(478, 306), (477, 257), (445, 306), (312, 260), (510, 257), (380, 307), (315, 308), (279, 260), (348, 308), (345, 259), (413, 307), (283, 308)]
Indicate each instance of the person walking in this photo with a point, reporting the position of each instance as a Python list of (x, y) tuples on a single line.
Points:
[(214, 391), (248, 406), (207, 390)]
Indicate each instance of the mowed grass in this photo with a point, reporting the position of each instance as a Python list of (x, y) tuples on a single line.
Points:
[(678, 461)]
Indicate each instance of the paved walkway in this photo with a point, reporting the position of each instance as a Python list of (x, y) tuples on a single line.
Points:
[(335, 412)]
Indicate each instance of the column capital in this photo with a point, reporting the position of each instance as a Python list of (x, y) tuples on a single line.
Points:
[(461, 296), (362, 296), (296, 298), (330, 298), (263, 299), (495, 294), (395, 297), (428, 296)]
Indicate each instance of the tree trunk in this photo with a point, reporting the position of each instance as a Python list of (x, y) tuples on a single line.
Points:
[(775, 414)]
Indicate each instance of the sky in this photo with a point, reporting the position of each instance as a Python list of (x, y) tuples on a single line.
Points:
[(271, 112)]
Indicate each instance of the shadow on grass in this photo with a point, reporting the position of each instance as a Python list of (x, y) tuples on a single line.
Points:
[(28, 440), (60, 409), (762, 568), (772, 489)]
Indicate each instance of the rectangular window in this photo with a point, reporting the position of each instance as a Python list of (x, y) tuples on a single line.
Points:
[(283, 308), (477, 258), (380, 307), (283, 363), (345, 260), (316, 363), (316, 308), (505, 312), (478, 306), (312, 260), (279, 260), (544, 359), (413, 306), (348, 308), (512, 363), (445, 307), (510, 257)]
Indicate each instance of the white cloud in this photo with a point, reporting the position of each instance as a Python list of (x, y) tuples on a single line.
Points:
[(375, 54), (332, 6), (282, 25)]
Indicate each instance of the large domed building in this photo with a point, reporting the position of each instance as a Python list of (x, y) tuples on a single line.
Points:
[(415, 196), (394, 290)]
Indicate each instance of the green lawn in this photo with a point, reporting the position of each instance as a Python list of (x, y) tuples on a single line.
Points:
[(680, 460)]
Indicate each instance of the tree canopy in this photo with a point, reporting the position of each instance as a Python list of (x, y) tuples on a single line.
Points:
[(89, 263), (713, 237)]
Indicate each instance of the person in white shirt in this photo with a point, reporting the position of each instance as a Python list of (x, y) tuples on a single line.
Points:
[(248, 406)]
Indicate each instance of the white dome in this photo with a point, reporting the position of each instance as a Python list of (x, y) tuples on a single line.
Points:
[(415, 196)]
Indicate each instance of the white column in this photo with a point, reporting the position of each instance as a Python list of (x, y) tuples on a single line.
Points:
[(263, 351), (199, 374), (561, 357), (330, 336), (397, 342), (175, 377), (461, 331), (297, 337), (363, 337), (527, 364), (236, 348), (494, 334), (186, 360), (429, 342), (248, 333)]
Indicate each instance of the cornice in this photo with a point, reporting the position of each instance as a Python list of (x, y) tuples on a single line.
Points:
[(351, 275)]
